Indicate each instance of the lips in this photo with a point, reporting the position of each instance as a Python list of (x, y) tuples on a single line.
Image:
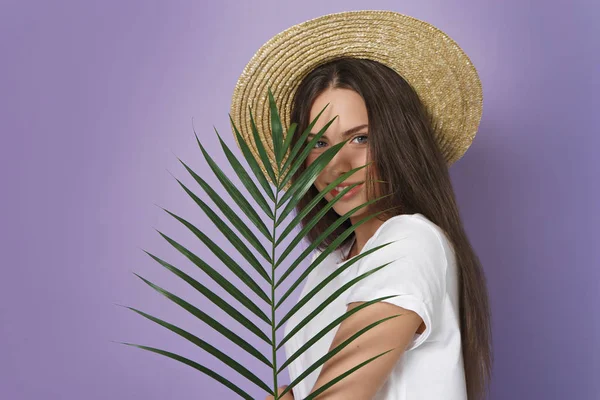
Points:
[(334, 192), (344, 184)]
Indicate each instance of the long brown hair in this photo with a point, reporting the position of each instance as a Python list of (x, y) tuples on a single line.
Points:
[(406, 156)]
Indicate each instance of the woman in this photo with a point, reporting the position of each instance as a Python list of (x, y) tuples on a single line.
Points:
[(442, 338)]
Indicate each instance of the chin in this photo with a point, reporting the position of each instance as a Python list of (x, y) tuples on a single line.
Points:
[(341, 210)]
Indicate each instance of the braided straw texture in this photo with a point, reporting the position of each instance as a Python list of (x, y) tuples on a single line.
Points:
[(429, 60)]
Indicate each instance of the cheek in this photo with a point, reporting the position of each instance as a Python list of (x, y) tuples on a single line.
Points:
[(309, 159)]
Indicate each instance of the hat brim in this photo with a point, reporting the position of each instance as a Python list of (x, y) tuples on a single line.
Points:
[(428, 59)]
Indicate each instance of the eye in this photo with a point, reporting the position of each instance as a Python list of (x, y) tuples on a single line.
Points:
[(361, 136), (318, 141)]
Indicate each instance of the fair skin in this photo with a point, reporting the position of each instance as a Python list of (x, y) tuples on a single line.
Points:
[(351, 112), (395, 333)]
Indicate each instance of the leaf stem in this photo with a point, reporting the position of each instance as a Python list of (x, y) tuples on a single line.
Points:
[(274, 326)]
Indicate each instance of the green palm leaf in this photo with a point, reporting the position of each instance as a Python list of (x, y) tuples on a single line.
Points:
[(296, 221), (235, 194), (305, 181), (245, 178), (264, 158), (222, 304), (276, 130), (336, 350), (321, 237), (329, 278), (232, 237), (219, 279), (252, 162), (229, 213), (222, 255), (301, 141), (276, 208), (323, 331), (342, 376), (208, 348), (197, 366), (216, 325)]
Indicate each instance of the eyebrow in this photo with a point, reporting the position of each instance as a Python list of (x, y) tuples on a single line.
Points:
[(346, 133)]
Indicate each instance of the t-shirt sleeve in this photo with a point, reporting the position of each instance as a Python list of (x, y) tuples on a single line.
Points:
[(417, 272)]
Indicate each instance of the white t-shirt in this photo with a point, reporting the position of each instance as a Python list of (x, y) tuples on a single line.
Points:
[(424, 276)]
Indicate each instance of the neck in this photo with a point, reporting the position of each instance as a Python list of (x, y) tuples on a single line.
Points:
[(362, 234)]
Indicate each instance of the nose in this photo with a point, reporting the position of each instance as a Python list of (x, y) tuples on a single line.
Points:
[(342, 161)]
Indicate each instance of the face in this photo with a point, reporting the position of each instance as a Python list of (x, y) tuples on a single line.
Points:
[(351, 125)]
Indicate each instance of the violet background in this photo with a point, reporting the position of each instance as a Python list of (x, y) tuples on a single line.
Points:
[(97, 104)]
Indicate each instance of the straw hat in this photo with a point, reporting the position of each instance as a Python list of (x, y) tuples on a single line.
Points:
[(428, 59)]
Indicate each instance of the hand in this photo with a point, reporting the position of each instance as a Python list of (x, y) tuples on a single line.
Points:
[(288, 396)]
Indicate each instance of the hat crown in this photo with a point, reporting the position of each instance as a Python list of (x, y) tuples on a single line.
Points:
[(428, 59)]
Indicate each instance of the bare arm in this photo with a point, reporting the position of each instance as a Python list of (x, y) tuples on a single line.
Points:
[(288, 396), (364, 383)]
